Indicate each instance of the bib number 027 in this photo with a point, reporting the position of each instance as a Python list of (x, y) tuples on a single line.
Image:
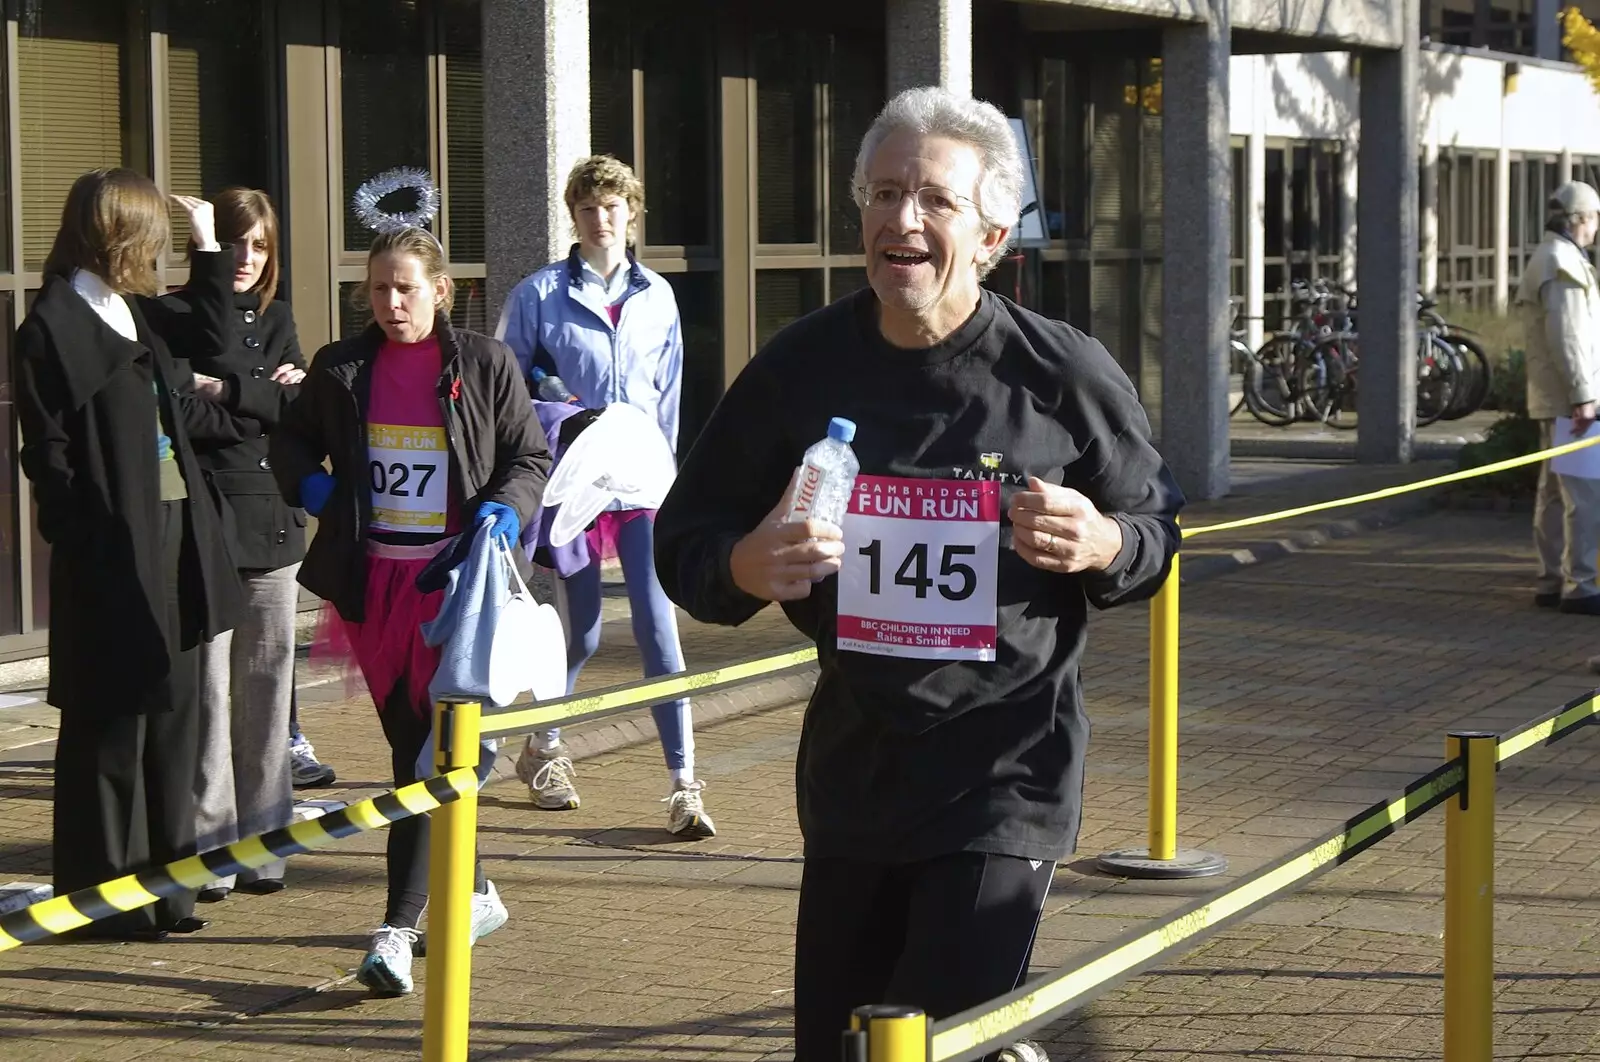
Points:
[(956, 580), (392, 479)]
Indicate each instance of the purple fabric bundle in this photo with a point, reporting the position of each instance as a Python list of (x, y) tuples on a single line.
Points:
[(572, 558)]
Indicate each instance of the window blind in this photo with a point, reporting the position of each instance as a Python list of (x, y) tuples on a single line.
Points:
[(464, 138), (184, 157), (70, 102)]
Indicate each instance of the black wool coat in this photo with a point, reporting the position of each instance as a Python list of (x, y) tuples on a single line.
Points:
[(264, 531), (88, 401)]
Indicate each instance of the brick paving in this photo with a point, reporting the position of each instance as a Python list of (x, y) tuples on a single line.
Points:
[(1311, 687)]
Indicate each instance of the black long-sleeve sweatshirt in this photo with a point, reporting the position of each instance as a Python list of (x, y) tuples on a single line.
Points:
[(907, 758)]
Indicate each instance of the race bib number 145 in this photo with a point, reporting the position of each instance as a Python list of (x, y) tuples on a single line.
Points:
[(918, 578)]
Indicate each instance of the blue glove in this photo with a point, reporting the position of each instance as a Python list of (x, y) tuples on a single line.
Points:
[(502, 520), (314, 492)]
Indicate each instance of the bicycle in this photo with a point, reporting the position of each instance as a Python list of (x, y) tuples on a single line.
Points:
[(1472, 361), (1274, 389), (1330, 381)]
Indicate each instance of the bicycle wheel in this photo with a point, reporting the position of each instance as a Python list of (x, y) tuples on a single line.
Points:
[(1328, 379), (1239, 359), (1271, 393), (1437, 378), (1477, 376)]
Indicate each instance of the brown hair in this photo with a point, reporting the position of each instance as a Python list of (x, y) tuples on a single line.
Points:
[(114, 225), (238, 211), (419, 244), (602, 175)]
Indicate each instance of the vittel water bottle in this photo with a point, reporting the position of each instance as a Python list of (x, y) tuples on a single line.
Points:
[(550, 388), (826, 476)]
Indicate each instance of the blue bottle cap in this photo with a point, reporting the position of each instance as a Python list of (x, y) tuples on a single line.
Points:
[(537, 373), (841, 429)]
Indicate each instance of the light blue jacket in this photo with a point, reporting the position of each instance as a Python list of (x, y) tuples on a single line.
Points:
[(552, 320)]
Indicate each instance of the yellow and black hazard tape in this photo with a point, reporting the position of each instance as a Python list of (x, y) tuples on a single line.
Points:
[(1390, 492), (518, 718), (64, 913), (1579, 712), (991, 1026), (521, 717), (988, 1027)]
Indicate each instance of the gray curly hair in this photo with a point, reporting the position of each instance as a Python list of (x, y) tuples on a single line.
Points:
[(931, 111)]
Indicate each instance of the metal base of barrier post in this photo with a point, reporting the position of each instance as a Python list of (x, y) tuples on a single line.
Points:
[(1138, 863)]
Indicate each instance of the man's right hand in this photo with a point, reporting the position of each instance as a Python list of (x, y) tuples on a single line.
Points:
[(779, 561), (1583, 415)]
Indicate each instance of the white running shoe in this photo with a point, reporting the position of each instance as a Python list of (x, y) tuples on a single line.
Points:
[(488, 912), (387, 968), (549, 776), (1023, 1051), (305, 770), (686, 813)]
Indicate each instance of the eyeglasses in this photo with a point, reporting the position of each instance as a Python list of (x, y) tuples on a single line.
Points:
[(931, 199)]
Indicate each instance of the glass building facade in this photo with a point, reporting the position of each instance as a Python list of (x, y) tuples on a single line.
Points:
[(743, 119)]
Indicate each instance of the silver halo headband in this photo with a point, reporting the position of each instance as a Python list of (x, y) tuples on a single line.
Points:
[(385, 184)]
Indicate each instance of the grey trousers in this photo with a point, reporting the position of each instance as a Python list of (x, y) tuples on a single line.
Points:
[(1566, 527), (246, 678)]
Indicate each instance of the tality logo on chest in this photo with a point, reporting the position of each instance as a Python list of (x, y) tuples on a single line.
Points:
[(988, 468)]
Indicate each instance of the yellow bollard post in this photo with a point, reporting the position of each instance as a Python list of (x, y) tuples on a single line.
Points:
[(888, 1033), (447, 1003), (1469, 902), (1163, 858), (1164, 718)]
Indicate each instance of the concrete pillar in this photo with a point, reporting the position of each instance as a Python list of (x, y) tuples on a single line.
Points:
[(1197, 189), (1502, 229), (1547, 29), (930, 43), (536, 125), (1428, 219), (1386, 266), (1564, 167)]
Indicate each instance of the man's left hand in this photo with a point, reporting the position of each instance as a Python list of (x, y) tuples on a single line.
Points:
[(1057, 529)]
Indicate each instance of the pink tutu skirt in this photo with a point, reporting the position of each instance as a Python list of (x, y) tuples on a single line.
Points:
[(602, 537), (387, 646)]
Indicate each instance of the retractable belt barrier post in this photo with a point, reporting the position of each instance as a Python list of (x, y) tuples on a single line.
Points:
[(1163, 858), (886, 1033), (1469, 902), (453, 844)]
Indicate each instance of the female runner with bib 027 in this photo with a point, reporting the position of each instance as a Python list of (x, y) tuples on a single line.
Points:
[(430, 433)]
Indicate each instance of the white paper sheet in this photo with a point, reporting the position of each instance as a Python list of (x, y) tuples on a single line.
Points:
[(1583, 464)]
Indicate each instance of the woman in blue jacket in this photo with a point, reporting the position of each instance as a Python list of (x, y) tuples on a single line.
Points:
[(608, 327)]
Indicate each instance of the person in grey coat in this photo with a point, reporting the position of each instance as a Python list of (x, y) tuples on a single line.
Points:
[(244, 783), (1558, 299)]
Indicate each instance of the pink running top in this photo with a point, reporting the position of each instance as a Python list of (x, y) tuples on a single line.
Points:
[(408, 456)]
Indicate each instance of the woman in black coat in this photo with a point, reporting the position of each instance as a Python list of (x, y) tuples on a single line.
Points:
[(244, 785), (139, 572)]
